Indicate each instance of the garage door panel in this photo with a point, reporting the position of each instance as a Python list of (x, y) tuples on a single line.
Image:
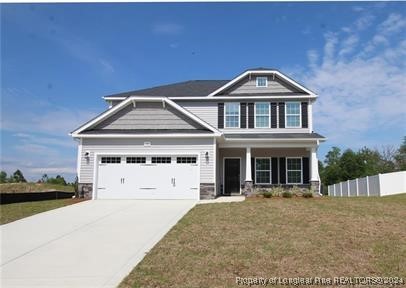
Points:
[(148, 180)]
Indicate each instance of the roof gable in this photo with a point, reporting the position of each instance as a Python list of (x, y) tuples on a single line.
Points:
[(140, 113), (148, 116), (278, 84)]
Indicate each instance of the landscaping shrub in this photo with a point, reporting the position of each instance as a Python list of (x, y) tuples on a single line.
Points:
[(287, 194), (296, 191), (267, 194), (308, 194), (277, 191)]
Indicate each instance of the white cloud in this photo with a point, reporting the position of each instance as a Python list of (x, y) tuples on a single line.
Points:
[(361, 92), (167, 28), (393, 24), (364, 22)]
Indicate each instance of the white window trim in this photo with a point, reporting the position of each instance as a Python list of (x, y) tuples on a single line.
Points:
[(301, 170), (270, 170), (261, 77), (300, 115), (225, 115), (269, 114)]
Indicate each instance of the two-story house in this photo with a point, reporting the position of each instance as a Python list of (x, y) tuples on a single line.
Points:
[(201, 139)]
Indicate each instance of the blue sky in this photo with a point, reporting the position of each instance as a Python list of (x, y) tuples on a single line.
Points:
[(58, 60)]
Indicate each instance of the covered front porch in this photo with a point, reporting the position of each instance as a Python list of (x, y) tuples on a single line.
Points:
[(241, 167)]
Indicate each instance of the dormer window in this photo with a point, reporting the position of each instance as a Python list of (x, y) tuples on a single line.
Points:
[(262, 81)]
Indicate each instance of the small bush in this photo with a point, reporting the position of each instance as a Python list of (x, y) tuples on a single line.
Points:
[(267, 194), (277, 191), (287, 194), (296, 191), (308, 194)]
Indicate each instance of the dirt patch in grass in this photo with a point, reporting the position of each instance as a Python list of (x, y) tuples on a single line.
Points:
[(13, 212), (277, 237)]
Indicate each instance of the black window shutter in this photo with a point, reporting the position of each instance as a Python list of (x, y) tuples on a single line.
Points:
[(304, 115), (253, 169), (274, 170), (273, 115), (243, 116), (250, 115), (282, 170), (281, 115), (220, 116), (305, 167)]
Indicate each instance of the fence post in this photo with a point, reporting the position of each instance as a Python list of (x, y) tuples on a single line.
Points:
[(348, 188), (379, 185), (356, 187), (341, 189), (334, 188), (367, 186)]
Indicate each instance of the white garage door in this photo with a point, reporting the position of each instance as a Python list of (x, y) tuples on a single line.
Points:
[(148, 177)]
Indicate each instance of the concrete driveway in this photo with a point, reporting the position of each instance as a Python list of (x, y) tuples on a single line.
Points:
[(90, 244)]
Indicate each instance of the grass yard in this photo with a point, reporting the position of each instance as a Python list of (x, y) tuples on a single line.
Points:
[(318, 237), (33, 187), (13, 212)]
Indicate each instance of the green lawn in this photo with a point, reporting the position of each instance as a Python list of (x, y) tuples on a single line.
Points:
[(12, 212), (318, 237), (33, 187)]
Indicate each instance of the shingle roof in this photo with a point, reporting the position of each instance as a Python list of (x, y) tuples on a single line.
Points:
[(180, 89)]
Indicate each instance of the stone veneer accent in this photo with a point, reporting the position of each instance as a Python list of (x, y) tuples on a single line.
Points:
[(314, 185), (248, 188), (207, 191), (85, 190)]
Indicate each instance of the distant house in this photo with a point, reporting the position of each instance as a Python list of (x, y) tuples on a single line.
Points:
[(200, 139)]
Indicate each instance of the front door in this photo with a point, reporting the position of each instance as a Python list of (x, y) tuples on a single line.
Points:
[(231, 176)]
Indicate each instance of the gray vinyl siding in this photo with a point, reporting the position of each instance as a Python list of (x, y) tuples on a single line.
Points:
[(249, 86), (148, 115), (159, 146), (207, 111)]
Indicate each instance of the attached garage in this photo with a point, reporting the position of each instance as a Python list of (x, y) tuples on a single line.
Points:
[(147, 177)]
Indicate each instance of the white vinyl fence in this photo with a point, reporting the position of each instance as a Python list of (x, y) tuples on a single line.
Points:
[(377, 185)]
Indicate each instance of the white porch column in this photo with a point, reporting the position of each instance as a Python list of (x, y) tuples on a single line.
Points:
[(314, 167), (248, 174)]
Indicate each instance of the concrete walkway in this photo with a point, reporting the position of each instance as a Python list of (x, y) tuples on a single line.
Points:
[(89, 244), (223, 199)]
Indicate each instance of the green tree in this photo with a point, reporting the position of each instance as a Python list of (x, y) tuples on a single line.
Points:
[(351, 165), (400, 157), (57, 180), (332, 173), (3, 177), (18, 176), (44, 178)]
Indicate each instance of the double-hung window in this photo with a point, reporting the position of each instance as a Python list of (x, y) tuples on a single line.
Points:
[(263, 170), (294, 170), (232, 115), (262, 115), (293, 115)]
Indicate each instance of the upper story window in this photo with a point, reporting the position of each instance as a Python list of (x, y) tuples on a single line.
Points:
[(293, 115), (262, 115), (262, 81), (232, 115)]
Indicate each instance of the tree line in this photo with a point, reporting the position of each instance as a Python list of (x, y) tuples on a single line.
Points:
[(18, 177), (342, 166)]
